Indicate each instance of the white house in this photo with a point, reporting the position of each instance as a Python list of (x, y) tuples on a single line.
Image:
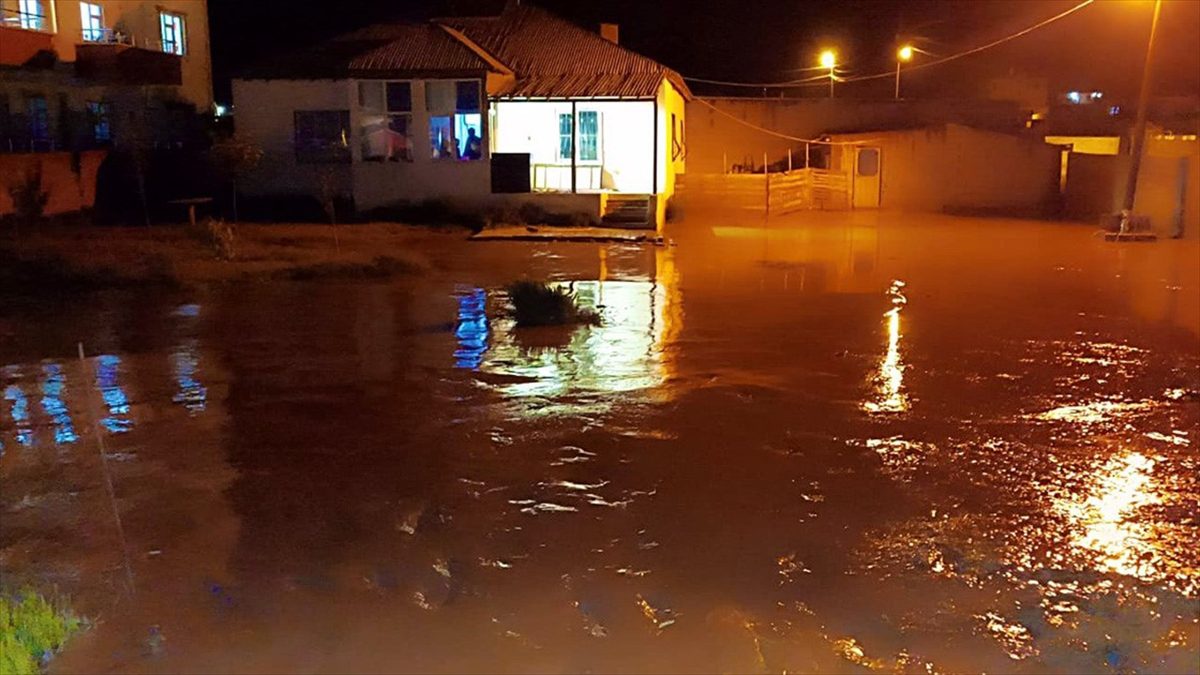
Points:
[(523, 106)]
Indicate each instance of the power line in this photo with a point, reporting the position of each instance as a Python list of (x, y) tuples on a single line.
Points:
[(776, 134), (824, 79)]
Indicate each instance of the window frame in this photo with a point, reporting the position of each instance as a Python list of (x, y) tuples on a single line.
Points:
[(99, 114), (180, 24), (326, 155), (388, 114), (567, 151), (92, 29), (31, 15), (31, 119), (455, 113), (580, 144)]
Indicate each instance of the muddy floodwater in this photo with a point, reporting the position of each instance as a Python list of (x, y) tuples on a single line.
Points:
[(831, 444)]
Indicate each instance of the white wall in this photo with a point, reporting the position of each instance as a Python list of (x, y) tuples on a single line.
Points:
[(265, 110), (265, 114), (626, 137)]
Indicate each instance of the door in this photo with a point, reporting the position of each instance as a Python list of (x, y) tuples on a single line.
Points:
[(868, 173)]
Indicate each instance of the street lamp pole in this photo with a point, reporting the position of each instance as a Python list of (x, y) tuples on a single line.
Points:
[(829, 60), (904, 55), (1139, 125)]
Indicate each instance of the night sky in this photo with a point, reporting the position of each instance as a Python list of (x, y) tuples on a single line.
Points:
[(1100, 47)]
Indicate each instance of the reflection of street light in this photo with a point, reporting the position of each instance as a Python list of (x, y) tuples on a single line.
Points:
[(903, 56), (1139, 126), (829, 60)]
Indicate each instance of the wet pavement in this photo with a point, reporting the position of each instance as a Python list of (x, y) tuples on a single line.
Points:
[(837, 443)]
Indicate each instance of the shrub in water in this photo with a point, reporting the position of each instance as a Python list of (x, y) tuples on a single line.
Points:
[(540, 304), (31, 630)]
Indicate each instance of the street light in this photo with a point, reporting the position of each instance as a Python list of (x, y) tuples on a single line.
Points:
[(1139, 126), (904, 55), (829, 60)]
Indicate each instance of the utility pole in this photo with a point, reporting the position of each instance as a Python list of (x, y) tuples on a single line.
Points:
[(1139, 126)]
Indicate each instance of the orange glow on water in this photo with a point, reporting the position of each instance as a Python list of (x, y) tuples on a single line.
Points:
[(1108, 527), (889, 381)]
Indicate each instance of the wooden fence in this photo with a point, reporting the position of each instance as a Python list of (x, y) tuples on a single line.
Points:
[(773, 193)]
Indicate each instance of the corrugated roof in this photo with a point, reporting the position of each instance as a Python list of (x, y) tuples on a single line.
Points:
[(554, 58), (383, 48)]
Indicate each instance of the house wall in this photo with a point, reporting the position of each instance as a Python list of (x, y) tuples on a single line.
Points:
[(265, 115), (1168, 186), (958, 168), (67, 190), (139, 19), (672, 140), (626, 138), (719, 130), (266, 111)]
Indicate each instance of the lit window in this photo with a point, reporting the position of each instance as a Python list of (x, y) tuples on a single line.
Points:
[(38, 113), (589, 136), (385, 121), (456, 121), (1115, 110), (92, 15), (441, 137), (564, 136), (174, 37), (98, 119), (320, 136), (30, 15)]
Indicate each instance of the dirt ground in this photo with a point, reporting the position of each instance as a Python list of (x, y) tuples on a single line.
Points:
[(187, 256)]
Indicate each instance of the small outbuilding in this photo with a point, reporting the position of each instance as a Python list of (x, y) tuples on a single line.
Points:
[(948, 167)]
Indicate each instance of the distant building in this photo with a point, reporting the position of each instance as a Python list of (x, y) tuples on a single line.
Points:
[(79, 77), (948, 168), (77, 74), (523, 106)]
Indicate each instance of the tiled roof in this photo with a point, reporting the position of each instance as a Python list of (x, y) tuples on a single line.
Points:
[(417, 48), (554, 58), (383, 48)]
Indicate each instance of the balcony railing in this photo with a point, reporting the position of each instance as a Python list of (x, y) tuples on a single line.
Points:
[(107, 36), (17, 18)]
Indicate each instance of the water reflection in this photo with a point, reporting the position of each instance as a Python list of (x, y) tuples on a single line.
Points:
[(53, 404), (115, 401), (889, 381), (185, 362), (1107, 524), (624, 353), (472, 329), (18, 409)]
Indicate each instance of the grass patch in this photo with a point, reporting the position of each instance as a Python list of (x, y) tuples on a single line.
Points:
[(32, 629), (540, 304), (382, 267), (43, 271)]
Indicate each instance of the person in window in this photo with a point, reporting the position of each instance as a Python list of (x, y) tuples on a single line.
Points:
[(474, 149)]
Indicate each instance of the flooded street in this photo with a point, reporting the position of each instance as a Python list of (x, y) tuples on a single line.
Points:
[(837, 443)]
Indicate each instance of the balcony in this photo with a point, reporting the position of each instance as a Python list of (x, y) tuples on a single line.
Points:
[(111, 57), (22, 37)]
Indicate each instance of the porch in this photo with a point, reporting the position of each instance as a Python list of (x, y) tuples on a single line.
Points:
[(580, 146)]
